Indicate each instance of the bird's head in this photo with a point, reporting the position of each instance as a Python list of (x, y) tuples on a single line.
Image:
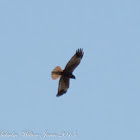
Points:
[(73, 77)]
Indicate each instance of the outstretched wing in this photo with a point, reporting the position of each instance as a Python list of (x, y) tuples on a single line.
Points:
[(74, 61), (63, 85)]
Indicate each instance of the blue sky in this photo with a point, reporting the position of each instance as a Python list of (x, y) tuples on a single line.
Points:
[(103, 102)]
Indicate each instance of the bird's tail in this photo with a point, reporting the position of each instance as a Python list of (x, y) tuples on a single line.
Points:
[(56, 73)]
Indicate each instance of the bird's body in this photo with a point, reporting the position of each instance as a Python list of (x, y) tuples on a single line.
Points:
[(62, 73), (66, 74)]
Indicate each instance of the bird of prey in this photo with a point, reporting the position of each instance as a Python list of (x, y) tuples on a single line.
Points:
[(66, 74)]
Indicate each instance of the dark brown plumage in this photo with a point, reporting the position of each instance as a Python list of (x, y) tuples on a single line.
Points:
[(66, 74)]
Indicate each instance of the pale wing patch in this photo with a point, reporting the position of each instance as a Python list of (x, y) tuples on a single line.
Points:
[(56, 73)]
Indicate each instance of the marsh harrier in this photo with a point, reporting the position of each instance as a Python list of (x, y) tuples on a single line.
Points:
[(66, 74)]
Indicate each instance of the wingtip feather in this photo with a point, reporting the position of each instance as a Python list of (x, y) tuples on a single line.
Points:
[(80, 53), (60, 93)]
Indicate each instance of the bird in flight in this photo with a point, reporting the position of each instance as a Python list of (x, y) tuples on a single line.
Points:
[(66, 74)]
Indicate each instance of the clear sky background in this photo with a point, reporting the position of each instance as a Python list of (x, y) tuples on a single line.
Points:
[(103, 103)]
